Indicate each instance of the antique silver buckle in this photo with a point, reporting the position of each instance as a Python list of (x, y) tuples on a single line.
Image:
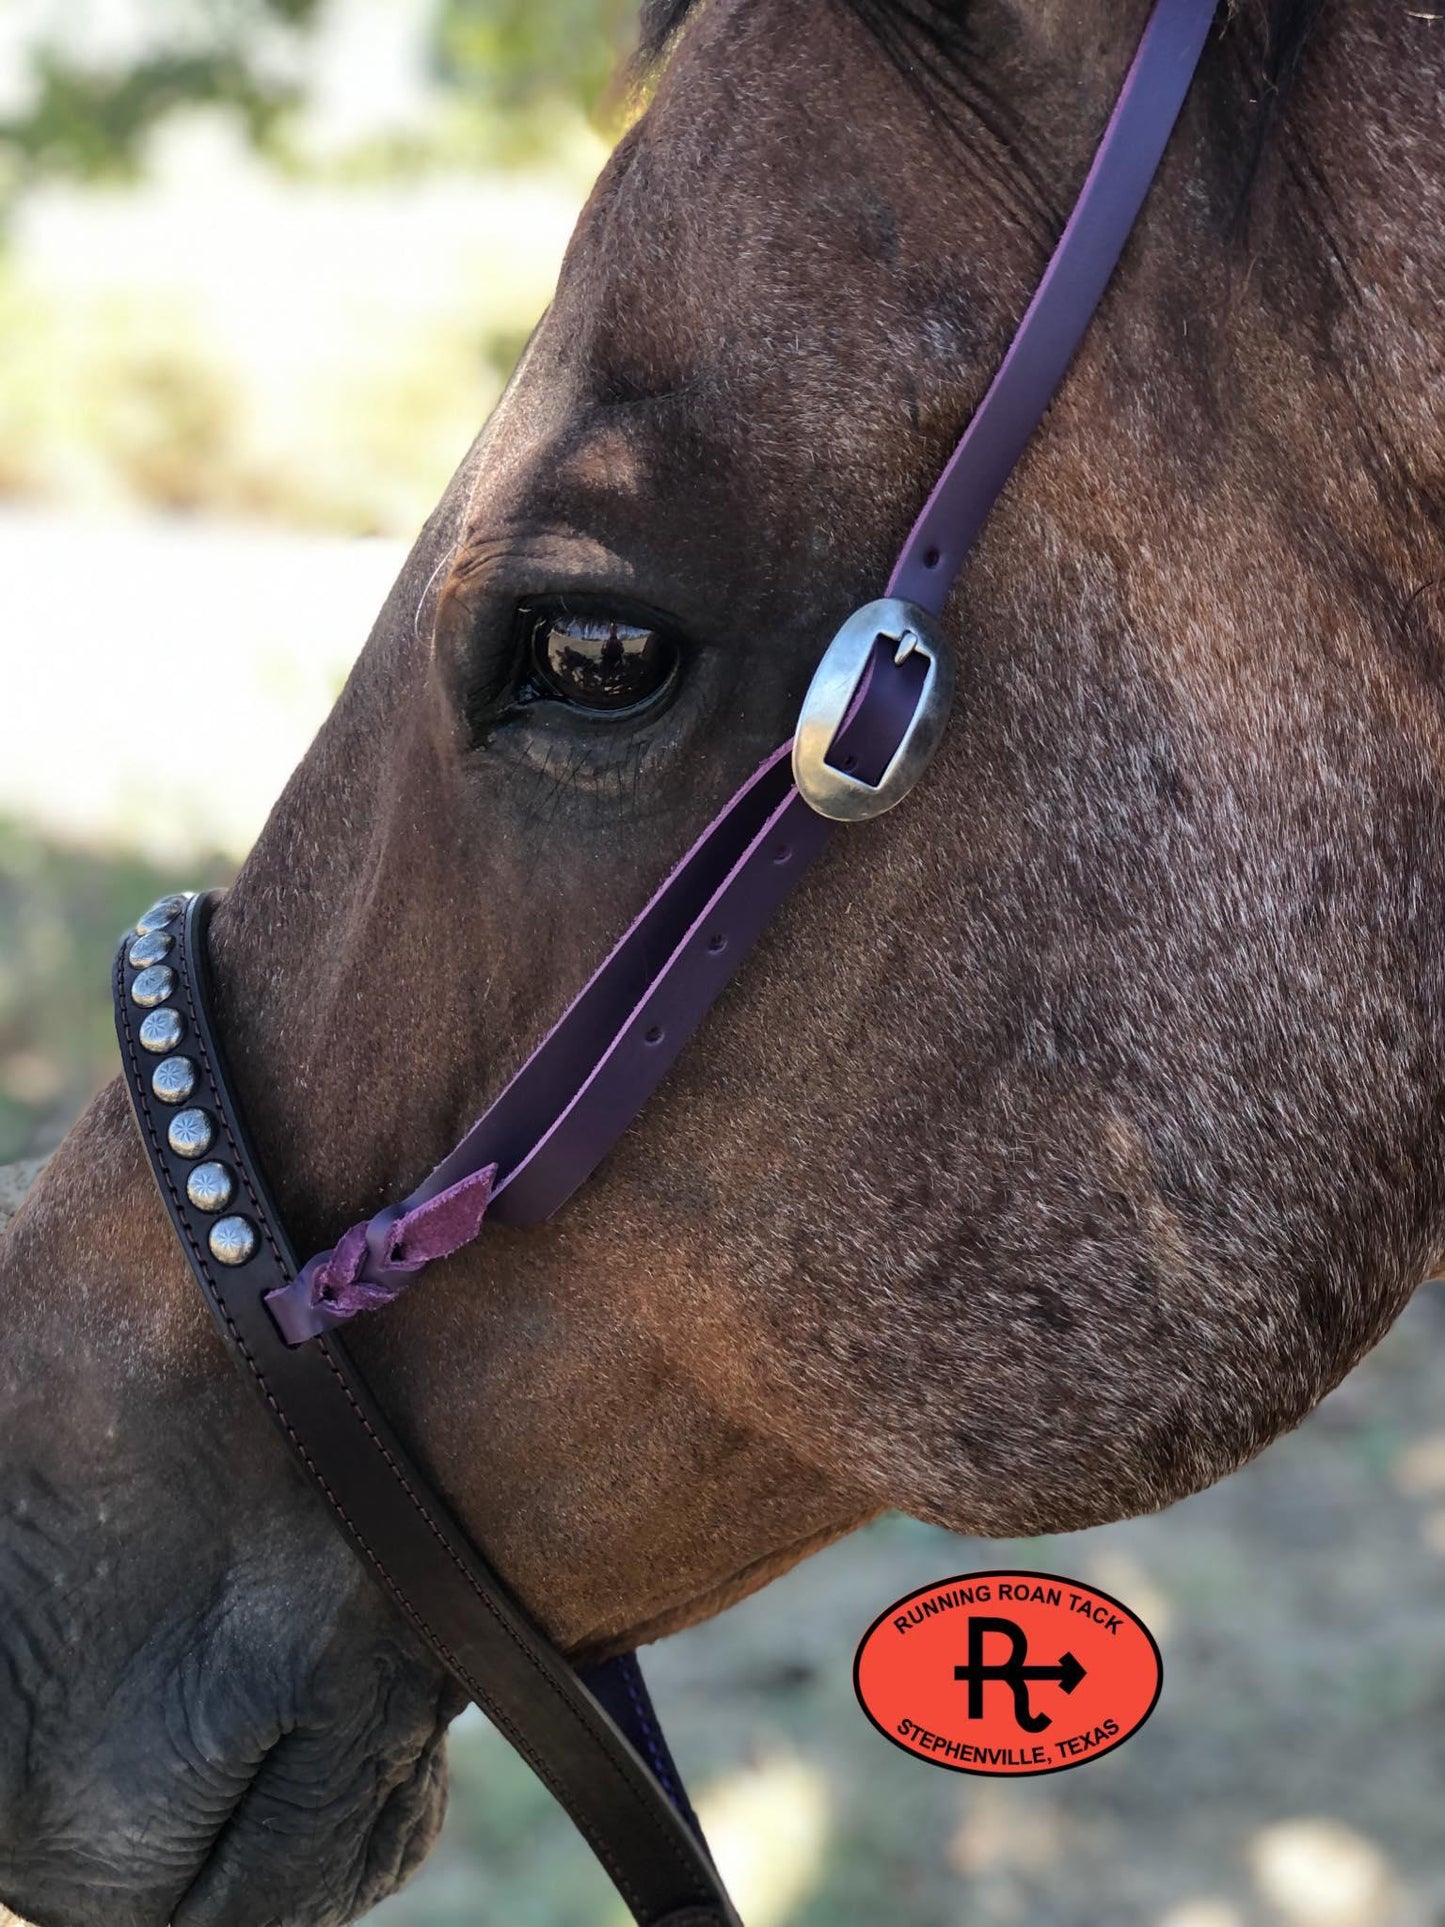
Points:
[(832, 791)]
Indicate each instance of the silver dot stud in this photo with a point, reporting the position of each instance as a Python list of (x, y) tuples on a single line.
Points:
[(153, 948), (233, 1241), (162, 1030), (173, 1079), (160, 914), (210, 1186), (191, 1133), (153, 986)]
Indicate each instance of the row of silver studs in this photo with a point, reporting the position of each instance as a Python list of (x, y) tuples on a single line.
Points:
[(211, 1187)]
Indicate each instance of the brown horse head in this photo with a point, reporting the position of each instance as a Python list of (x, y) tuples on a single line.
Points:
[(1077, 1126)]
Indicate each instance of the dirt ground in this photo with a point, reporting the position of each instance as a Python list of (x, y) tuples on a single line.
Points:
[(1291, 1776)]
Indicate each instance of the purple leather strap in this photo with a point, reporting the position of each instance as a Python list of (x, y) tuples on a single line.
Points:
[(1056, 319), (590, 1076)]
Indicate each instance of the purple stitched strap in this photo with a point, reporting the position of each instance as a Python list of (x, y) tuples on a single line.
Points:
[(619, 1686), (1056, 319), (588, 1078)]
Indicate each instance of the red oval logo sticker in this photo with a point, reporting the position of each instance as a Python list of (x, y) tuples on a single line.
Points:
[(1008, 1673)]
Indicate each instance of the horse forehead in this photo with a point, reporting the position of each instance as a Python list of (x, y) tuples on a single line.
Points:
[(764, 190), (708, 353), (735, 281)]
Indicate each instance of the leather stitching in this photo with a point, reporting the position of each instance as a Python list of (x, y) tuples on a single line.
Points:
[(200, 1261), (202, 1267), (393, 1585), (579, 1713)]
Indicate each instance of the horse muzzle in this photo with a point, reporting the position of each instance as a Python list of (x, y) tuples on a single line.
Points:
[(208, 1716)]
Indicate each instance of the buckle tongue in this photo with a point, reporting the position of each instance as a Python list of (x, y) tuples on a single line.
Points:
[(834, 694)]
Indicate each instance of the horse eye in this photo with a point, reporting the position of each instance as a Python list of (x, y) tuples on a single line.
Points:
[(595, 663)]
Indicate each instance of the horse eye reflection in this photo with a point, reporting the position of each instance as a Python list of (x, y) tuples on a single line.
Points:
[(595, 663)]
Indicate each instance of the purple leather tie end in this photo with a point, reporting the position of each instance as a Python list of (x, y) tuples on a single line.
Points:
[(373, 1263)]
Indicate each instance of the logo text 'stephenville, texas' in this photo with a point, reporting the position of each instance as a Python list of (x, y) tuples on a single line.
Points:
[(1008, 1673)]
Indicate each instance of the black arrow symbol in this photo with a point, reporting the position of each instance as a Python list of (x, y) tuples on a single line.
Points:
[(1012, 1672), (1068, 1673)]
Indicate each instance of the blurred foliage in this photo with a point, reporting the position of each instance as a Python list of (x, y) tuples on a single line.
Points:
[(168, 421), (89, 121), (61, 911), (91, 125), (125, 397), (505, 67), (513, 59)]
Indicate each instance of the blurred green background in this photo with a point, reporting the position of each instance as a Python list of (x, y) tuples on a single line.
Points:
[(264, 265)]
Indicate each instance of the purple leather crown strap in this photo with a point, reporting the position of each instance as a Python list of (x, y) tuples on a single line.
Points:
[(1056, 319), (593, 1072)]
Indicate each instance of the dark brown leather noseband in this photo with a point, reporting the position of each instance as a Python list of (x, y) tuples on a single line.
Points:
[(872, 718), (389, 1510)]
